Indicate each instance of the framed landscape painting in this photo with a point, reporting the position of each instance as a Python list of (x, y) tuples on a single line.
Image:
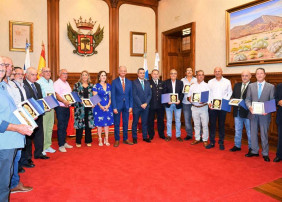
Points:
[(254, 33)]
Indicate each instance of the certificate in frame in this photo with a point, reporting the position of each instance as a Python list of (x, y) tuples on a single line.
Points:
[(138, 43), (19, 34), (258, 107)]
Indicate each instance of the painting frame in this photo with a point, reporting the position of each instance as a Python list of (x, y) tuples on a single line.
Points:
[(17, 42), (138, 42), (252, 57)]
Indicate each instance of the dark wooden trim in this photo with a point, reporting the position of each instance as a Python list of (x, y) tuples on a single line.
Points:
[(53, 36)]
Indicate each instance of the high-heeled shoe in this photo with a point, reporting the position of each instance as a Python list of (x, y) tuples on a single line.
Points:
[(100, 142), (106, 141)]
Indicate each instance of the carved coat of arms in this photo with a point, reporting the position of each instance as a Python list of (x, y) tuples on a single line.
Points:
[(85, 43)]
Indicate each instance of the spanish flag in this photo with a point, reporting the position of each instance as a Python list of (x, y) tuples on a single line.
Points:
[(42, 61)]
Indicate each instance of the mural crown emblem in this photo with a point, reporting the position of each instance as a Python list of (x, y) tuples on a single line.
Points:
[(80, 24)]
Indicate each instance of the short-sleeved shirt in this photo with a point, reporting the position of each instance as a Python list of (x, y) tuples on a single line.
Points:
[(62, 88), (47, 86), (186, 82)]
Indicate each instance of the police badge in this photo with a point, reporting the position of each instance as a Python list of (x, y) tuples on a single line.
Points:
[(85, 44)]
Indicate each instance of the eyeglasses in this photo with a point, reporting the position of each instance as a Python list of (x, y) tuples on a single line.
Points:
[(2, 70), (7, 65), (18, 74), (47, 71), (65, 73), (3, 64)]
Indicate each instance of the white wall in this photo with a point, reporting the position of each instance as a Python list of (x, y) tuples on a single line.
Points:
[(27, 11), (137, 19), (98, 10), (209, 16)]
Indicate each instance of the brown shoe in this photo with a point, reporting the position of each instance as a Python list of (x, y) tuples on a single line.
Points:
[(127, 142), (167, 138), (206, 143), (195, 142), (21, 188), (116, 144)]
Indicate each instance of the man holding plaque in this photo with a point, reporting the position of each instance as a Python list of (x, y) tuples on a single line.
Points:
[(258, 93), (188, 81), (239, 113), (175, 88), (61, 87), (199, 109), (278, 98), (33, 90), (47, 88), (220, 88), (156, 107)]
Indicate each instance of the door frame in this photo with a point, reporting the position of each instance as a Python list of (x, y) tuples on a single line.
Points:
[(166, 34)]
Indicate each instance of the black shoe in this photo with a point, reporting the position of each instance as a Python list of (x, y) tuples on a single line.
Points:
[(162, 137), (266, 158), (147, 140), (151, 138), (179, 139), (221, 147), (188, 138), (210, 146), (21, 170), (30, 161), (42, 157), (167, 138), (251, 154), (134, 141), (28, 164), (235, 149), (277, 159)]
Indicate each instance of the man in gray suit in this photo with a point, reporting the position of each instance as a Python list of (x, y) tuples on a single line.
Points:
[(260, 91)]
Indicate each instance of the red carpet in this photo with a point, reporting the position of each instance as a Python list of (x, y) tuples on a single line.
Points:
[(159, 171)]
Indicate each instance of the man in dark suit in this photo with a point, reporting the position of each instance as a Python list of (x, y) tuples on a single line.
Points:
[(141, 99), (33, 90), (239, 113), (156, 107), (260, 91), (278, 98), (121, 97), (174, 86)]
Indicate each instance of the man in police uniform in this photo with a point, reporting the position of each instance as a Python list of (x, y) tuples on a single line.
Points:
[(156, 106)]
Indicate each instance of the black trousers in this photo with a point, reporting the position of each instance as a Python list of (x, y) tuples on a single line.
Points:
[(160, 121), (38, 139), (219, 115), (79, 132), (279, 147)]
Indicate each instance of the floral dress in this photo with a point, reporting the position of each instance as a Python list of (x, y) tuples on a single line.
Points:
[(103, 118)]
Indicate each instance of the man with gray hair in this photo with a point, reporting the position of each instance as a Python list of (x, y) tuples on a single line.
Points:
[(33, 90), (47, 88), (62, 87)]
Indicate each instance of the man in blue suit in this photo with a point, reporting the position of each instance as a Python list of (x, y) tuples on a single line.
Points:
[(141, 99), (121, 97)]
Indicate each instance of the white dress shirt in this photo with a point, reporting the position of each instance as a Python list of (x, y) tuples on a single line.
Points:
[(186, 82), (220, 89), (173, 86), (262, 85), (198, 88), (15, 92)]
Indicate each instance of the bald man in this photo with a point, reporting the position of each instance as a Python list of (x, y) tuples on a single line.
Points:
[(220, 88), (239, 113)]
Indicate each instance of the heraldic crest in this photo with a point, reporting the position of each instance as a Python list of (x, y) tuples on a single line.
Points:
[(85, 44)]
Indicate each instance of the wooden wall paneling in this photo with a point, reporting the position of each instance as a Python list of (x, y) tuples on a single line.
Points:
[(274, 78), (53, 36)]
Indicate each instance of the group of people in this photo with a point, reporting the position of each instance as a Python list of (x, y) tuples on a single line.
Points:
[(141, 97)]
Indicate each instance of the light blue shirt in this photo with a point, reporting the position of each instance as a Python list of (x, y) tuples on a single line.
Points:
[(46, 86), (8, 139)]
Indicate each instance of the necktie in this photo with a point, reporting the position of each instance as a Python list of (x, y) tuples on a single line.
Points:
[(21, 93), (123, 85), (259, 90), (142, 83), (243, 90), (34, 90), (156, 82)]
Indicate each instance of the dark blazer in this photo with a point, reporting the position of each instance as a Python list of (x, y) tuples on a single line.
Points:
[(243, 113), (141, 96), (167, 88), (118, 96), (157, 90), (278, 97), (29, 91)]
